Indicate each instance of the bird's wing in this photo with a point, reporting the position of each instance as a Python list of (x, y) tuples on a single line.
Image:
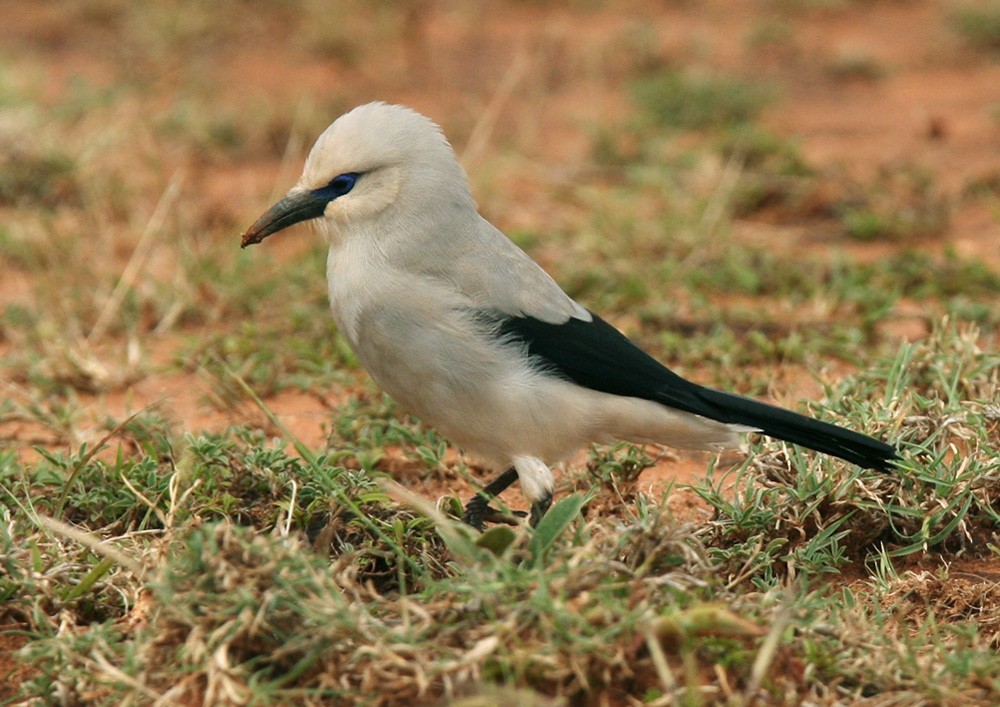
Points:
[(498, 276), (595, 355)]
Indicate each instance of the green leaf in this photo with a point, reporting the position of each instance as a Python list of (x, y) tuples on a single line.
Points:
[(554, 523), (497, 539), (90, 579)]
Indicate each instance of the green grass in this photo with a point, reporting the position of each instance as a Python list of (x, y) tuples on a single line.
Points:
[(147, 556), (225, 531), (817, 518), (854, 66), (978, 24), (676, 99)]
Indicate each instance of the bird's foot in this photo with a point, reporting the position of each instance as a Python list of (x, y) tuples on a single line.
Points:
[(478, 512), (492, 515), (538, 509)]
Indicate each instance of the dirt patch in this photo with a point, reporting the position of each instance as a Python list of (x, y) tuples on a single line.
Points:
[(12, 670)]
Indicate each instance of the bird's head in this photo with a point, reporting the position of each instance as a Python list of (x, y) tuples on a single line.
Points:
[(368, 160)]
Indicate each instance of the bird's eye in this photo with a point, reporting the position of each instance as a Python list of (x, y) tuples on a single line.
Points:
[(339, 185)]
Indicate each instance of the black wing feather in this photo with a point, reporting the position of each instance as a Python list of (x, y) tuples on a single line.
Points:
[(598, 356)]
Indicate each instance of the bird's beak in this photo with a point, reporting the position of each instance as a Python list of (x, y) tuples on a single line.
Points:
[(298, 205)]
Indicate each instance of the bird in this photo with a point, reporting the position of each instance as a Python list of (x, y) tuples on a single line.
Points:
[(466, 331)]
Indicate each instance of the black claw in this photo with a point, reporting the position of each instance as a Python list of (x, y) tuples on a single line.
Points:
[(478, 511), (475, 512), (492, 515)]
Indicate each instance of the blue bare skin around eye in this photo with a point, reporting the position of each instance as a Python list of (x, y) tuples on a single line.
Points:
[(338, 186)]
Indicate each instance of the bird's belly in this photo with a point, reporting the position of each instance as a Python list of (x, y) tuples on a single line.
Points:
[(485, 397)]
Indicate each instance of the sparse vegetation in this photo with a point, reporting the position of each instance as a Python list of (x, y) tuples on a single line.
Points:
[(171, 533), (855, 66), (978, 24), (671, 98)]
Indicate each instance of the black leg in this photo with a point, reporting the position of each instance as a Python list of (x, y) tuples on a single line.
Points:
[(477, 510), (538, 509)]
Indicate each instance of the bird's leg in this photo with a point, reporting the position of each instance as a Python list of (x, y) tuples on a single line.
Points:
[(477, 510), (538, 509)]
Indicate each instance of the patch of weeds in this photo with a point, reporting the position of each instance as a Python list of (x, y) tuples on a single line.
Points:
[(50, 581), (242, 479), (891, 645), (387, 546), (978, 24), (854, 66), (787, 514), (148, 433), (949, 596), (76, 487), (287, 623), (687, 101), (37, 177), (369, 419), (367, 427), (273, 359), (617, 468), (902, 204), (917, 274), (772, 34), (773, 171)]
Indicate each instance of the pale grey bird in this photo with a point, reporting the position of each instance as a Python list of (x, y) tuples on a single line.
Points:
[(466, 331)]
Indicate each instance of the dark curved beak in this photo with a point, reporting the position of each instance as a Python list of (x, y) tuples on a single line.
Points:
[(297, 205)]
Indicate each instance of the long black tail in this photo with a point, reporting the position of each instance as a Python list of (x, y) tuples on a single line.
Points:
[(792, 427), (596, 355)]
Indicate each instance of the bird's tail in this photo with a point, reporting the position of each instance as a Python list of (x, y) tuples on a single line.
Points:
[(792, 427)]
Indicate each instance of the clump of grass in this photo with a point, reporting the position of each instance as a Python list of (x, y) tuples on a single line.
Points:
[(31, 171), (46, 178), (788, 513), (616, 469), (854, 65), (674, 99), (771, 34), (901, 635), (367, 426), (978, 25), (773, 173), (902, 204), (283, 622)]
